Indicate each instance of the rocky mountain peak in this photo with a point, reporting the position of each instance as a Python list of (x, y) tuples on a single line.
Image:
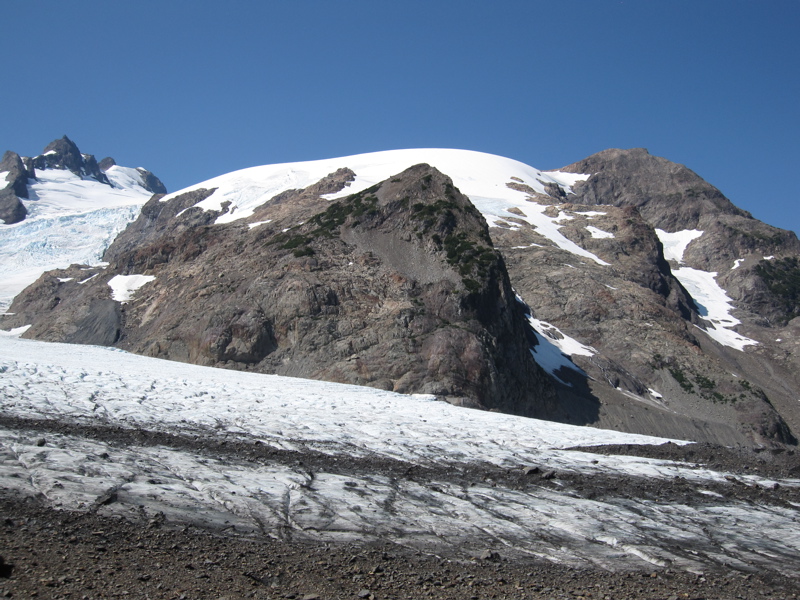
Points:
[(669, 195), (63, 153), (397, 286)]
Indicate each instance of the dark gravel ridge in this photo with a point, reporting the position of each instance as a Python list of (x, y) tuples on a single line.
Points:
[(63, 555), (778, 462), (594, 485)]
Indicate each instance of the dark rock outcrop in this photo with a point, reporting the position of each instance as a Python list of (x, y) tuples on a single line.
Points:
[(106, 163), (150, 182), (18, 174), (12, 210)]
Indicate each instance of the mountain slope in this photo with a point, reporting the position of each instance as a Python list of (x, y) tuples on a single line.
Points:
[(365, 270), (722, 256), (396, 287)]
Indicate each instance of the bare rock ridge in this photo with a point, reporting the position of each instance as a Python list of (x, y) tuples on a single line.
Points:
[(654, 185), (671, 197), (64, 154), (397, 287)]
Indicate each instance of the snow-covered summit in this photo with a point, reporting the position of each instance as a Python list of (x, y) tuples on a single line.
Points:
[(476, 174), (497, 186)]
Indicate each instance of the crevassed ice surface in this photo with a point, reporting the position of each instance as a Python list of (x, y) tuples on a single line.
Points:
[(70, 220), (101, 386)]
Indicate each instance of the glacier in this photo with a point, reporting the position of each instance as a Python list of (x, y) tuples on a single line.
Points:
[(71, 220), (257, 454)]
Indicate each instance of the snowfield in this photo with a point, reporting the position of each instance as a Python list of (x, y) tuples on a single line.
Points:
[(350, 451), (124, 286)]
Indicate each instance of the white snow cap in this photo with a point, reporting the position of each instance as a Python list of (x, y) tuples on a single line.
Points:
[(484, 178)]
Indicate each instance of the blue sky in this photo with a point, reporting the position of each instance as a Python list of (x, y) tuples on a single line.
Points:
[(193, 89)]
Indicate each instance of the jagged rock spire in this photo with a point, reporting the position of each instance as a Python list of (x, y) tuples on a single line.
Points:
[(64, 154)]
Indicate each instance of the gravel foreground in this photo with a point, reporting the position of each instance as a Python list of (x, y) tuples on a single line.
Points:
[(48, 553)]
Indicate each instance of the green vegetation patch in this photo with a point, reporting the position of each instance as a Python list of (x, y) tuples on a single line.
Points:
[(326, 223), (439, 214), (695, 383), (782, 278), (337, 213), (470, 258), (295, 241), (679, 376)]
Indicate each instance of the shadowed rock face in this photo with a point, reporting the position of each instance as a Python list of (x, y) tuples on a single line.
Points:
[(15, 187), (397, 287)]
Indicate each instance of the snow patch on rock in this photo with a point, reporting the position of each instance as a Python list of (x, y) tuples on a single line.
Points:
[(599, 233), (124, 286), (713, 303)]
